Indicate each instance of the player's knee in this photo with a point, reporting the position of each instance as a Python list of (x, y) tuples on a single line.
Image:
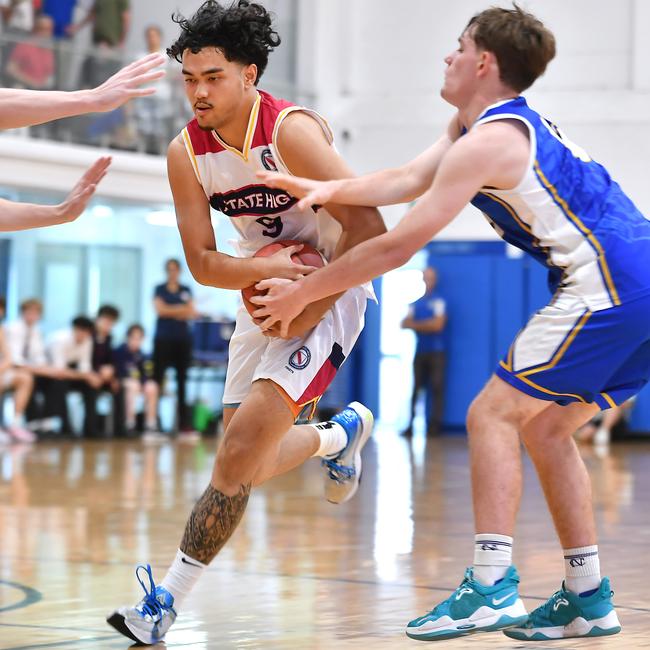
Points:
[(235, 463), (485, 414)]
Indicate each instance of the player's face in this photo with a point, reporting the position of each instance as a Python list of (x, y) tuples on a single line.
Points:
[(461, 74), (215, 87)]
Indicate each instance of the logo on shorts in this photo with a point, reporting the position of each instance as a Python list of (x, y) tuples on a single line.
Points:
[(267, 161), (300, 358)]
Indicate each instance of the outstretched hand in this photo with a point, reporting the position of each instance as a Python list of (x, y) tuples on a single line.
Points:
[(76, 202), (281, 304), (127, 83), (309, 192)]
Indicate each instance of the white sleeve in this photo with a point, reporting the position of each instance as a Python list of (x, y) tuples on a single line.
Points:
[(439, 307), (86, 356), (15, 343), (57, 353)]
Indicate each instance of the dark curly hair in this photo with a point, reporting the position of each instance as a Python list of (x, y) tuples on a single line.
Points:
[(243, 31)]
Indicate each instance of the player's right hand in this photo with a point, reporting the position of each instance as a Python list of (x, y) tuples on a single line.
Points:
[(310, 192), (127, 83), (280, 265)]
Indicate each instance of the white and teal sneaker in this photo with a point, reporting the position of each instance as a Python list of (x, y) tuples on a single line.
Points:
[(344, 470), (473, 607), (150, 619), (566, 615)]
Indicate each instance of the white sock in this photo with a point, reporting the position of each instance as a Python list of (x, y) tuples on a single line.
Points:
[(332, 438), (19, 420), (182, 576), (492, 557), (582, 568)]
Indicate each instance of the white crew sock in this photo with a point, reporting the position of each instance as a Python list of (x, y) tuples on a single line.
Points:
[(582, 568), (182, 576), (19, 420), (333, 438), (492, 557)]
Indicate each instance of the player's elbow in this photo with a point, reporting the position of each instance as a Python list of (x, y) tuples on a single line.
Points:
[(397, 256)]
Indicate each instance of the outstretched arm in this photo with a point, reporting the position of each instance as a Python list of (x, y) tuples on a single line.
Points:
[(492, 155), (306, 152), (20, 108), (22, 216), (386, 187)]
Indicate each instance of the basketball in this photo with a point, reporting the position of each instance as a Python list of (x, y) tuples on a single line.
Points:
[(308, 256)]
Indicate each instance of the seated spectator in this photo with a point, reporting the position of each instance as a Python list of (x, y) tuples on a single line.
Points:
[(70, 354), (19, 381), (135, 371), (31, 64), (27, 350), (103, 363)]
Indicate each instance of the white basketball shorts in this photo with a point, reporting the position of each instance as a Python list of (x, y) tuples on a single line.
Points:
[(302, 367)]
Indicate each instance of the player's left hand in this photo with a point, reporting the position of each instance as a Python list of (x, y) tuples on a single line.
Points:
[(281, 304), (75, 203)]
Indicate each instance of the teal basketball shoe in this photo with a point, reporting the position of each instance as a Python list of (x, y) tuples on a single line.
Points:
[(565, 615), (473, 607)]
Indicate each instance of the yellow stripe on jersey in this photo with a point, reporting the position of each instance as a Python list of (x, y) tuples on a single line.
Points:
[(250, 132), (190, 150), (550, 392), (585, 231), (609, 400)]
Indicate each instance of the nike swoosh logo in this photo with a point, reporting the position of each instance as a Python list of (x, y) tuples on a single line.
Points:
[(498, 601), (198, 566)]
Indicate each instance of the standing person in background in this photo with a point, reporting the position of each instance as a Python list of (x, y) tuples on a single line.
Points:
[(18, 380), (427, 317), (31, 64), (173, 341), (153, 114), (61, 12), (110, 20)]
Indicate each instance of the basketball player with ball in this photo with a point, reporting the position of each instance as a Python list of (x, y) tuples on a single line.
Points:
[(237, 132)]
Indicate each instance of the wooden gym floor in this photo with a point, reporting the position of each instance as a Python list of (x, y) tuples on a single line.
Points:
[(75, 519)]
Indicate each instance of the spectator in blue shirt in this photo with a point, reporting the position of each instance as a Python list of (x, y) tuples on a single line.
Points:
[(172, 341), (61, 12), (427, 317)]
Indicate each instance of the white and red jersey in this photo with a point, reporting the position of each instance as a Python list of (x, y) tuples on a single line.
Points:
[(228, 176)]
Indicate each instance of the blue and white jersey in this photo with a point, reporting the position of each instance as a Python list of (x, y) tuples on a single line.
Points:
[(571, 216)]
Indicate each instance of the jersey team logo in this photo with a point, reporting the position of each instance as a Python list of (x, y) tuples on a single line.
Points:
[(300, 358), (267, 161)]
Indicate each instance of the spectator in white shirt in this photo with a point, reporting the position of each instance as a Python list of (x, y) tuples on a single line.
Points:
[(70, 353), (27, 348), (20, 382)]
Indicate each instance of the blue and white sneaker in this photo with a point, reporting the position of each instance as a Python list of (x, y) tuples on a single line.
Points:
[(565, 615), (473, 607), (150, 619), (344, 469)]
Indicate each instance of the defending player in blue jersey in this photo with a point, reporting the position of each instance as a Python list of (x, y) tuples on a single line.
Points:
[(588, 349)]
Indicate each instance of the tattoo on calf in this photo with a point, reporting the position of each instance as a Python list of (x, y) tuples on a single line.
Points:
[(212, 521)]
